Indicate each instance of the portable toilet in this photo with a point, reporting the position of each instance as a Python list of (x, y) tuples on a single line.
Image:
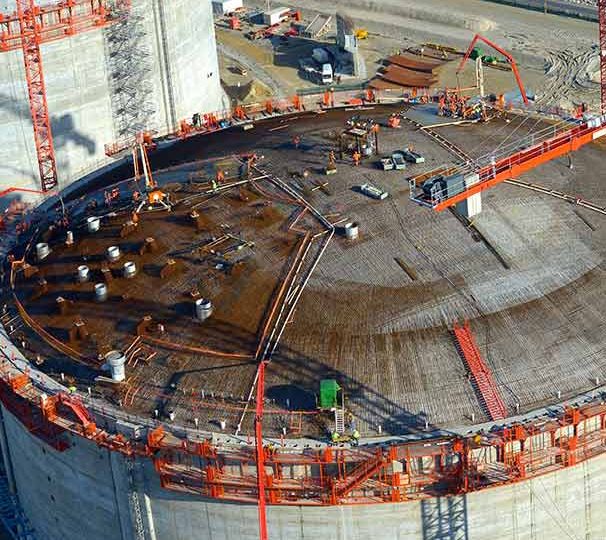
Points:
[(328, 393)]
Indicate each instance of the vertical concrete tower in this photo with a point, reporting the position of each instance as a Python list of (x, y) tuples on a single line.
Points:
[(149, 71)]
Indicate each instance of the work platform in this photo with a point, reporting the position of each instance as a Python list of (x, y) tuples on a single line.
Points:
[(376, 314)]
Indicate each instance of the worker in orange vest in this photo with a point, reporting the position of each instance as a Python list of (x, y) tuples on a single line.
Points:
[(356, 158)]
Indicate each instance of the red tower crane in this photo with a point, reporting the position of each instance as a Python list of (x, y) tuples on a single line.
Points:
[(446, 186), (34, 74), (27, 28)]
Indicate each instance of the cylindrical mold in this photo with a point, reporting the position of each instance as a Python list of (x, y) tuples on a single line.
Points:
[(204, 309), (101, 292), (130, 269), (113, 253), (83, 273), (116, 361), (69, 238), (352, 231), (93, 224), (42, 250)]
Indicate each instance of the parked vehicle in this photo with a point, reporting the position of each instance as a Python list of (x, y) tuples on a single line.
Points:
[(373, 191), (327, 74), (386, 164), (412, 156), (398, 161)]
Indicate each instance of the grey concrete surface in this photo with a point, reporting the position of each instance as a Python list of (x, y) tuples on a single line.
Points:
[(84, 493), (180, 48), (582, 10)]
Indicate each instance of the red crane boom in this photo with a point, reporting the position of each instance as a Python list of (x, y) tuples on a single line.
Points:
[(444, 187), (512, 62), (30, 41), (260, 451)]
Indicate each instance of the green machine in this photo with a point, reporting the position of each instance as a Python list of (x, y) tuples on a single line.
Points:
[(477, 52), (329, 389)]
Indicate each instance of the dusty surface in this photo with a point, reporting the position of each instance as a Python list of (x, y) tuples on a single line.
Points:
[(381, 331), (558, 55)]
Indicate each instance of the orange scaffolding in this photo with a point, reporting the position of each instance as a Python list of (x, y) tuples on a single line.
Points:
[(54, 21), (325, 475)]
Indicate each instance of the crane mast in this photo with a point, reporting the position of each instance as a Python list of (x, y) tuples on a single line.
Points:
[(36, 88)]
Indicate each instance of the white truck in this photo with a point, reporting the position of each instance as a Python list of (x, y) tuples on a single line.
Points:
[(327, 74)]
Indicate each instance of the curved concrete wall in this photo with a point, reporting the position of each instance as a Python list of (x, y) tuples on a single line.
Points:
[(88, 492), (181, 76)]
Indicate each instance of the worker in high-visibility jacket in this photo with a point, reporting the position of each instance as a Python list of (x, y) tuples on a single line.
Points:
[(356, 158), (355, 437)]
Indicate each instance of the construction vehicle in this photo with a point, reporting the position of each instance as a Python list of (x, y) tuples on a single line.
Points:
[(412, 156), (373, 192), (387, 164), (398, 161), (475, 53)]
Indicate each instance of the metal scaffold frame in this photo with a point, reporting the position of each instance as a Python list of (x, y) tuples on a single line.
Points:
[(324, 475)]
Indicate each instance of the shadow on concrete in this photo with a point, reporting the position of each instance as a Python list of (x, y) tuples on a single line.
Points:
[(63, 127), (445, 518), (65, 132)]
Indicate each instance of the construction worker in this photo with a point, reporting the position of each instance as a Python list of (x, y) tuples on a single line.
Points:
[(296, 140), (441, 106), (335, 437), (250, 161), (356, 158), (355, 437)]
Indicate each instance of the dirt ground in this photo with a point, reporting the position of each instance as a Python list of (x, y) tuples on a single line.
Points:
[(558, 56)]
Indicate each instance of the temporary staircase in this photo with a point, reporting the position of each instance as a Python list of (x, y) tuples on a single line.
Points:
[(339, 420), (359, 475), (483, 380)]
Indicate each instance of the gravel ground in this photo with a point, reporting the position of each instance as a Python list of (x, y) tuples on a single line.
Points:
[(560, 53)]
